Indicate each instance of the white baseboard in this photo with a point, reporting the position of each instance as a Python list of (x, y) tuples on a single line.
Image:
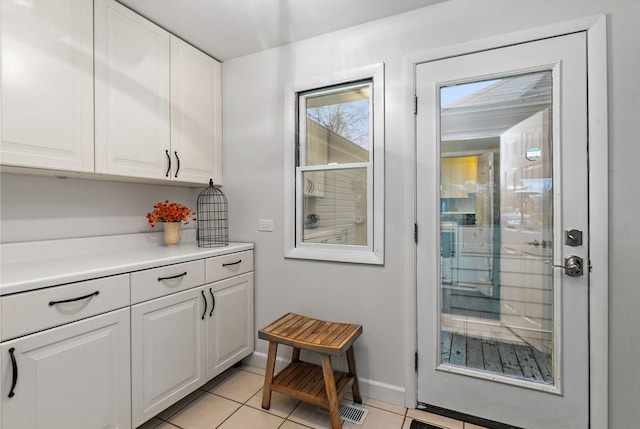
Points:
[(369, 388)]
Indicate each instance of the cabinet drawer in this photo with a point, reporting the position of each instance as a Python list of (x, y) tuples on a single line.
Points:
[(34, 311), (222, 267), (155, 282)]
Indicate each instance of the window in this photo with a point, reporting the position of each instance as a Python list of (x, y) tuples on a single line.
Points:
[(336, 174)]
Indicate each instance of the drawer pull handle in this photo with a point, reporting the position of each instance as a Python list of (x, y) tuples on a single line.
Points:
[(172, 277), (14, 380), (232, 263), (169, 167), (80, 298), (213, 302), (205, 304)]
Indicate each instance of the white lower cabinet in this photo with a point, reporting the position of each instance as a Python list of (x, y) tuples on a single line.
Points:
[(113, 352), (73, 376), (229, 336), (167, 346), (182, 340)]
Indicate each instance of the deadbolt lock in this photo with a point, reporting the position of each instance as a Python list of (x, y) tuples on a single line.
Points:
[(573, 237)]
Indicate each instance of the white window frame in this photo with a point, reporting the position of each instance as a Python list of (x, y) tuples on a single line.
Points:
[(373, 252)]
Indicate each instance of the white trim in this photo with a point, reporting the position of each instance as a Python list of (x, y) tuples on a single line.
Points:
[(374, 255), (598, 222), (501, 41), (596, 29)]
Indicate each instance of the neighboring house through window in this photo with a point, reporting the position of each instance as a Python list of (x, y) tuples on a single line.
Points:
[(335, 170)]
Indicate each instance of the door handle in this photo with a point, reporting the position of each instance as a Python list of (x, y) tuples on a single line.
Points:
[(573, 266)]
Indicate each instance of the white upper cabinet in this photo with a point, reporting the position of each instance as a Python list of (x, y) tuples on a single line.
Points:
[(157, 105), (196, 138), (47, 84), (132, 94), (157, 101)]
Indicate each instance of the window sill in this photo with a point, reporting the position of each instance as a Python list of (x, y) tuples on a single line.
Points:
[(336, 255)]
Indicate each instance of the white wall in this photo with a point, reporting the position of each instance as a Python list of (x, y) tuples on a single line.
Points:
[(49, 208), (253, 94)]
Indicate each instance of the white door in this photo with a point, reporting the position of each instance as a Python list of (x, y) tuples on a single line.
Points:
[(72, 376), (502, 328)]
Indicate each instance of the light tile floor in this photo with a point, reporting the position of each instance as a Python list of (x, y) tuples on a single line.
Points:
[(233, 401)]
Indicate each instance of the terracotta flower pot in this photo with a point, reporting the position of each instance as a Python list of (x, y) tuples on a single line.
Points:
[(171, 233)]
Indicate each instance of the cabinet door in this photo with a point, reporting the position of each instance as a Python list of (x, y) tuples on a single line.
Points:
[(230, 323), (73, 376), (167, 351), (132, 93), (195, 114), (47, 84)]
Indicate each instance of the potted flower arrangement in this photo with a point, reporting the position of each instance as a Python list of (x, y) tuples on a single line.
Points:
[(172, 215)]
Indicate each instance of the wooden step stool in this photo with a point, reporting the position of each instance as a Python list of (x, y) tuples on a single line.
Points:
[(315, 384)]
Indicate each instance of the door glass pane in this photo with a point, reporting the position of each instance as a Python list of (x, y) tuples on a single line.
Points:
[(496, 226), (335, 206)]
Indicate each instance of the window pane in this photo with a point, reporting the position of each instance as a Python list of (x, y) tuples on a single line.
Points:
[(335, 206), (337, 126)]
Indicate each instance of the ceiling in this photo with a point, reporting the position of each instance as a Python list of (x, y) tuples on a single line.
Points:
[(232, 28)]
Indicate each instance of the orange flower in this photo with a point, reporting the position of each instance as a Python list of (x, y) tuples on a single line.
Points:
[(170, 212)]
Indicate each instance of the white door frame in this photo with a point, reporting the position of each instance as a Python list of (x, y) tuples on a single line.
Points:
[(596, 28)]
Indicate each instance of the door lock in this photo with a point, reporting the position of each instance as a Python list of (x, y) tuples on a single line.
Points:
[(573, 237), (573, 266)]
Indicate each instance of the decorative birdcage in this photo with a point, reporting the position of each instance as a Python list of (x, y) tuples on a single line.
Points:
[(212, 218)]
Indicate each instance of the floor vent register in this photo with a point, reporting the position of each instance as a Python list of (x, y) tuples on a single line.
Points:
[(349, 412)]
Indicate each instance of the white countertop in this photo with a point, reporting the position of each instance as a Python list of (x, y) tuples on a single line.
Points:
[(34, 265)]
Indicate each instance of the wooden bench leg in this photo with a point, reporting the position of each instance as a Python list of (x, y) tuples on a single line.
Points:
[(295, 355), (268, 375), (332, 394), (355, 388)]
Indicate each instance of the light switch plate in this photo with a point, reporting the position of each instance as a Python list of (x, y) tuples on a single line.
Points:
[(265, 225)]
